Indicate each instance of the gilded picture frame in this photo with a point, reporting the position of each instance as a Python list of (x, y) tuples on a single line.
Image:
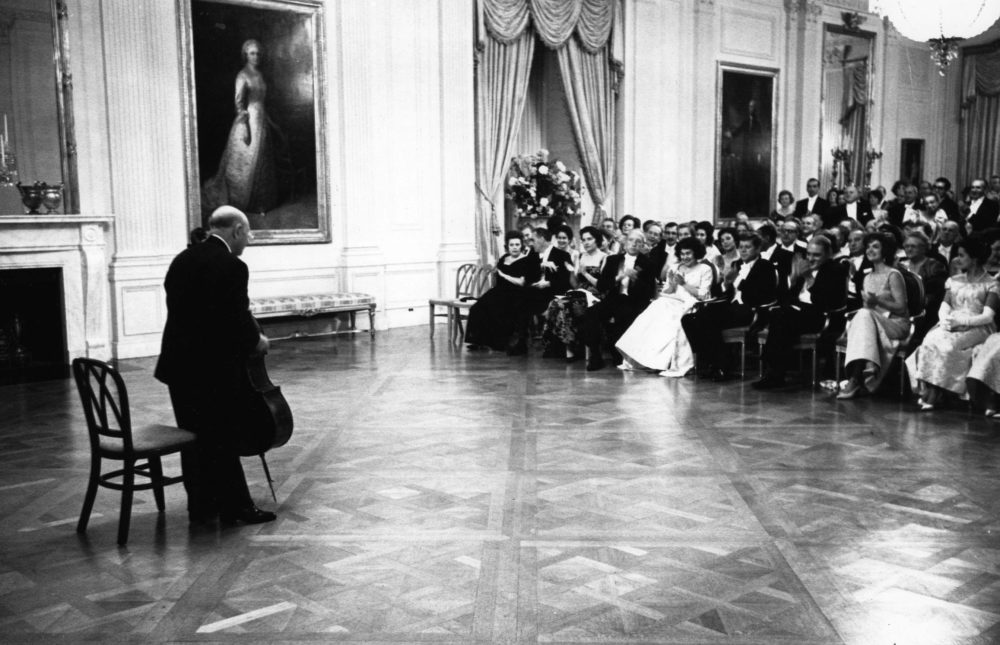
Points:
[(254, 92), (745, 140)]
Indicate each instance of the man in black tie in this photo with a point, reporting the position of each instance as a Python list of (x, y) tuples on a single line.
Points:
[(854, 209), (819, 290), (208, 337), (947, 244), (813, 204), (750, 283), (983, 211), (627, 284), (942, 187)]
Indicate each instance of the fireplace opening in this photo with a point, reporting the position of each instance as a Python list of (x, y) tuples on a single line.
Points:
[(32, 326)]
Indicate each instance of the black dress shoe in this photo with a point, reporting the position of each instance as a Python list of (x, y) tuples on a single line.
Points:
[(769, 382), (248, 515), (595, 364), (720, 377)]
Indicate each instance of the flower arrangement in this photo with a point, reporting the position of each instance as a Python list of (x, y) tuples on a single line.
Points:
[(540, 188)]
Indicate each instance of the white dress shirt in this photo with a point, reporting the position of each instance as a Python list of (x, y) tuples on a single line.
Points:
[(740, 277), (627, 263)]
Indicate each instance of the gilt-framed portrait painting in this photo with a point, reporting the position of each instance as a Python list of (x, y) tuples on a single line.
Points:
[(254, 91), (745, 141)]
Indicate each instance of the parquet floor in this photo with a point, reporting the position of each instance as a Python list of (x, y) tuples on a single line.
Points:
[(429, 495)]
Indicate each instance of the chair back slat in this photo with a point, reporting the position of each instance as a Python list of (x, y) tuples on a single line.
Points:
[(105, 402), (465, 281)]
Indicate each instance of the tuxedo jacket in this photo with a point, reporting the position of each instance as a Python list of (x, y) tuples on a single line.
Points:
[(950, 206), (760, 286), (936, 250), (560, 277), (658, 257), (828, 290), (838, 214), (640, 290), (986, 217), (209, 332), (819, 208)]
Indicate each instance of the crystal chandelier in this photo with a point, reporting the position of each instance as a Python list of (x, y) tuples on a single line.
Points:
[(942, 24)]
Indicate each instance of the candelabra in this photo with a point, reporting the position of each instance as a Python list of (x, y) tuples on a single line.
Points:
[(871, 156), (8, 162)]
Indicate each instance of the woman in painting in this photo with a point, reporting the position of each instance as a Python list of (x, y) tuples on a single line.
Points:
[(246, 175)]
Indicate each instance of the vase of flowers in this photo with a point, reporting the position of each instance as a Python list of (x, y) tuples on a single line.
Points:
[(540, 188)]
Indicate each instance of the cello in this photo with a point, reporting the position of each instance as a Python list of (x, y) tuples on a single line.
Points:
[(267, 418)]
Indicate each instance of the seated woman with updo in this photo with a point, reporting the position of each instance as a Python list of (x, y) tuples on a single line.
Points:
[(705, 233), (561, 332), (498, 320), (966, 318), (656, 340), (876, 329)]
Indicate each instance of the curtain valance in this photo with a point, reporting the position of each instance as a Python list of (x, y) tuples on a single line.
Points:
[(553, 20), (980, 76)]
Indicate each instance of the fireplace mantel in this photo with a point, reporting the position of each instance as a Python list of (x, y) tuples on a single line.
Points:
[(77, 244)]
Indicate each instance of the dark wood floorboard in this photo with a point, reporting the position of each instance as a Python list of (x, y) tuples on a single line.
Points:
[(430, 495)]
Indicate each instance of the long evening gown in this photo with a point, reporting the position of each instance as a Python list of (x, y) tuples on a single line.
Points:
[(246, 176), (656, 340), (874, 334), (944, 358), (496, 316)]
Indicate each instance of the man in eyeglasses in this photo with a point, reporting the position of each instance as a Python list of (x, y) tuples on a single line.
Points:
[(815, 293), (942, 188)]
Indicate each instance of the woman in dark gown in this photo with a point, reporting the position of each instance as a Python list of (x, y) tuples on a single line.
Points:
[(499, 318)]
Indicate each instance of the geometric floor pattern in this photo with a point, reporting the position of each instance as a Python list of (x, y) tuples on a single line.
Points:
[(430, 495)]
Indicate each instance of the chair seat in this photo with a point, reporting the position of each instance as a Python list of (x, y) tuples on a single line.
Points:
[(154, 439), (734, 334), (806, 341), (453, 302)]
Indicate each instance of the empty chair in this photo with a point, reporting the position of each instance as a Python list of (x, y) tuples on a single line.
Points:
[(109, 423), (468, 287)]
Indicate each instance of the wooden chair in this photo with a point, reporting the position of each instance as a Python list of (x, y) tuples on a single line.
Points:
[(468, 287), (109, 423), (807, 342)]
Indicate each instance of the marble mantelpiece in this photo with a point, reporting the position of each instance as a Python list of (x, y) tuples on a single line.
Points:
[(77, 244)]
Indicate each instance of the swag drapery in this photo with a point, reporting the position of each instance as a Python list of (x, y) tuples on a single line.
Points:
[(584, 34), (980, 131), (854, 122)]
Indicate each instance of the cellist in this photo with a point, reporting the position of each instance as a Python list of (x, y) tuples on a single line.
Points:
[(208, 336)]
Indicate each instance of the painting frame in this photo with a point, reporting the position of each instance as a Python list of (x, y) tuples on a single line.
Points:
[(732, 79), (300, 222)]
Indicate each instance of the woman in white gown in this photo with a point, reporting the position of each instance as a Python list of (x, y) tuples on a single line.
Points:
[(656, 341), (246, 177)]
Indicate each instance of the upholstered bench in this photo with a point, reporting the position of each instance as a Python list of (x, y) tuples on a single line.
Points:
[(314, 304)]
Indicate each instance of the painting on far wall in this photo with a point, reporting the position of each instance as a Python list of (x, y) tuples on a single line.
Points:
[(256, 132), (745, 142)]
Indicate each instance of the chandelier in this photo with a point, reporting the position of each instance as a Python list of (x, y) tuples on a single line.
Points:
[(942, 24)]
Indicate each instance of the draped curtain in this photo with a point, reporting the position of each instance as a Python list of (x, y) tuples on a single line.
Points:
[(586, 34), (854, 121), (980, 131), (591, 100)]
